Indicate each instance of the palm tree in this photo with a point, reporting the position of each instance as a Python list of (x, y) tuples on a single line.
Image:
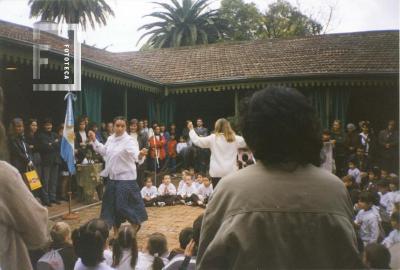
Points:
[(183, 25), (72, 11)]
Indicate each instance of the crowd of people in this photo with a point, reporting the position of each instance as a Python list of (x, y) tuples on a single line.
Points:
[(258, 217), (91, 247)]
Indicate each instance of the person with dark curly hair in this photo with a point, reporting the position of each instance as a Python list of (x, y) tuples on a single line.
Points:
[(283, 212)]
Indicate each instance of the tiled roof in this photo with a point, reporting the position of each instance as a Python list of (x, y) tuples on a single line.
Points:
[(327, 55)]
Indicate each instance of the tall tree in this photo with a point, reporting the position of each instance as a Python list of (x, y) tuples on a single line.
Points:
[(189, 23), (284, 20), (84, 12), (244, 20)]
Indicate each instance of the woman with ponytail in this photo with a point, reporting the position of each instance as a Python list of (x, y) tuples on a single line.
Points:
[(224, 145), (89, 243), (155, 257), (125, 249)]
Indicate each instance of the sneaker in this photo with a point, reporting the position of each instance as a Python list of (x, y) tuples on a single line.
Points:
[(189, 203), (161, 204), (182, 201)]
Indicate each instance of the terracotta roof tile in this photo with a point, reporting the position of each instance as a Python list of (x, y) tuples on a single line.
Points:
[(332, 54)]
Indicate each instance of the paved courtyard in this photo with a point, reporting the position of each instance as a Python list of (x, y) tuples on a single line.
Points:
[(169, 220)]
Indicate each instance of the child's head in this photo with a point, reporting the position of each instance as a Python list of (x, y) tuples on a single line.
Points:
[(206, 182), (89, 241), (157, 246), (394, 184), (149, 182), (126, 240), (188, 179), (47, 124), (351, 164), (360, 151), (383, 185), (199, 178), (376, 256), (395, 220), (172, 137), (384, 173), (60, 233), (185, 236), (374, 174), (326, 135), (348, 180), (167, 179), (181, 139), (184, 173), (366, 200)]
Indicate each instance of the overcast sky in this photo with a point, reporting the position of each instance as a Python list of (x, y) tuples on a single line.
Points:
[(121, 32)]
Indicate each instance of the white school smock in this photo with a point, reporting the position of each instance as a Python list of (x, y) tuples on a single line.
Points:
[(205, 192), (149, 192), (223, 154), (392, 239), (120, 154), (171, 189), (145, 261), (188, 190), (101, 266), (369, 226)]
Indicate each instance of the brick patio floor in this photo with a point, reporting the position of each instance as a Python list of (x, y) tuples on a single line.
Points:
[(169, 220)]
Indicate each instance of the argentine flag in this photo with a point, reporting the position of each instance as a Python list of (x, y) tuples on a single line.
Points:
[(67, 142)]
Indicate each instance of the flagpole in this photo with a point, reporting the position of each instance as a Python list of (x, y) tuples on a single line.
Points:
[(69, 121)]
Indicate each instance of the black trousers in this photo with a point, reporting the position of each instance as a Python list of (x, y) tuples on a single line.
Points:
[(167, 199)]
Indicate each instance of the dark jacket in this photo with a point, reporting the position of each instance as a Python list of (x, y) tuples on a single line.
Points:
[(339, 149), (388, 137), (143, 140), (261, 218), (20, 155), (351, 142), (49, 147), (81, 151), (33, 143)]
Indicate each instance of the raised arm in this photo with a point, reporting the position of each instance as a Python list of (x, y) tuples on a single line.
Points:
[(202, 142)]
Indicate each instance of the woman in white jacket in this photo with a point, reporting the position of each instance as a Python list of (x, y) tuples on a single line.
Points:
[(122, 200), (224, 145)]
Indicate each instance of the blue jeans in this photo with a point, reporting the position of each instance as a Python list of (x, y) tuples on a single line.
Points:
[(50, 181)]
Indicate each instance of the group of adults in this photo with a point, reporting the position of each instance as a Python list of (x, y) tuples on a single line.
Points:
[(381, 149), (283, 212)]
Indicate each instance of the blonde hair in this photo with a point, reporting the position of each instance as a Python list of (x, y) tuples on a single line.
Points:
[(222, 126), (60, 233)]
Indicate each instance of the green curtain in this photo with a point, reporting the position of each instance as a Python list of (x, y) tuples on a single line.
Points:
[(168, 109), (330, 104), (78, 105), (92, 100), (151, 110)]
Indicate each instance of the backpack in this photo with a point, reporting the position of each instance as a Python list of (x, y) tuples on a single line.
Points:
[(52, 260)]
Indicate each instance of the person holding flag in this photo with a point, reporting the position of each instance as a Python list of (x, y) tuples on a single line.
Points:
[(122, 199), (67, 141)]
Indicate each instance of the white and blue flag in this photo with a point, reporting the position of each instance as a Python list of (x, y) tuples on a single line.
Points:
[(67, 142)]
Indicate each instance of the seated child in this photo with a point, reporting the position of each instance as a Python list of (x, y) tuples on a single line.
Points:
[(188, 193), (166, 192), (89, 243), (61, 243), (376, 256), (367, 220), (198, 181), (125, 249), (149, 193), (182, 182), (394, 236), (184, 238), (205, 190), (155, 255), (354, 172)]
